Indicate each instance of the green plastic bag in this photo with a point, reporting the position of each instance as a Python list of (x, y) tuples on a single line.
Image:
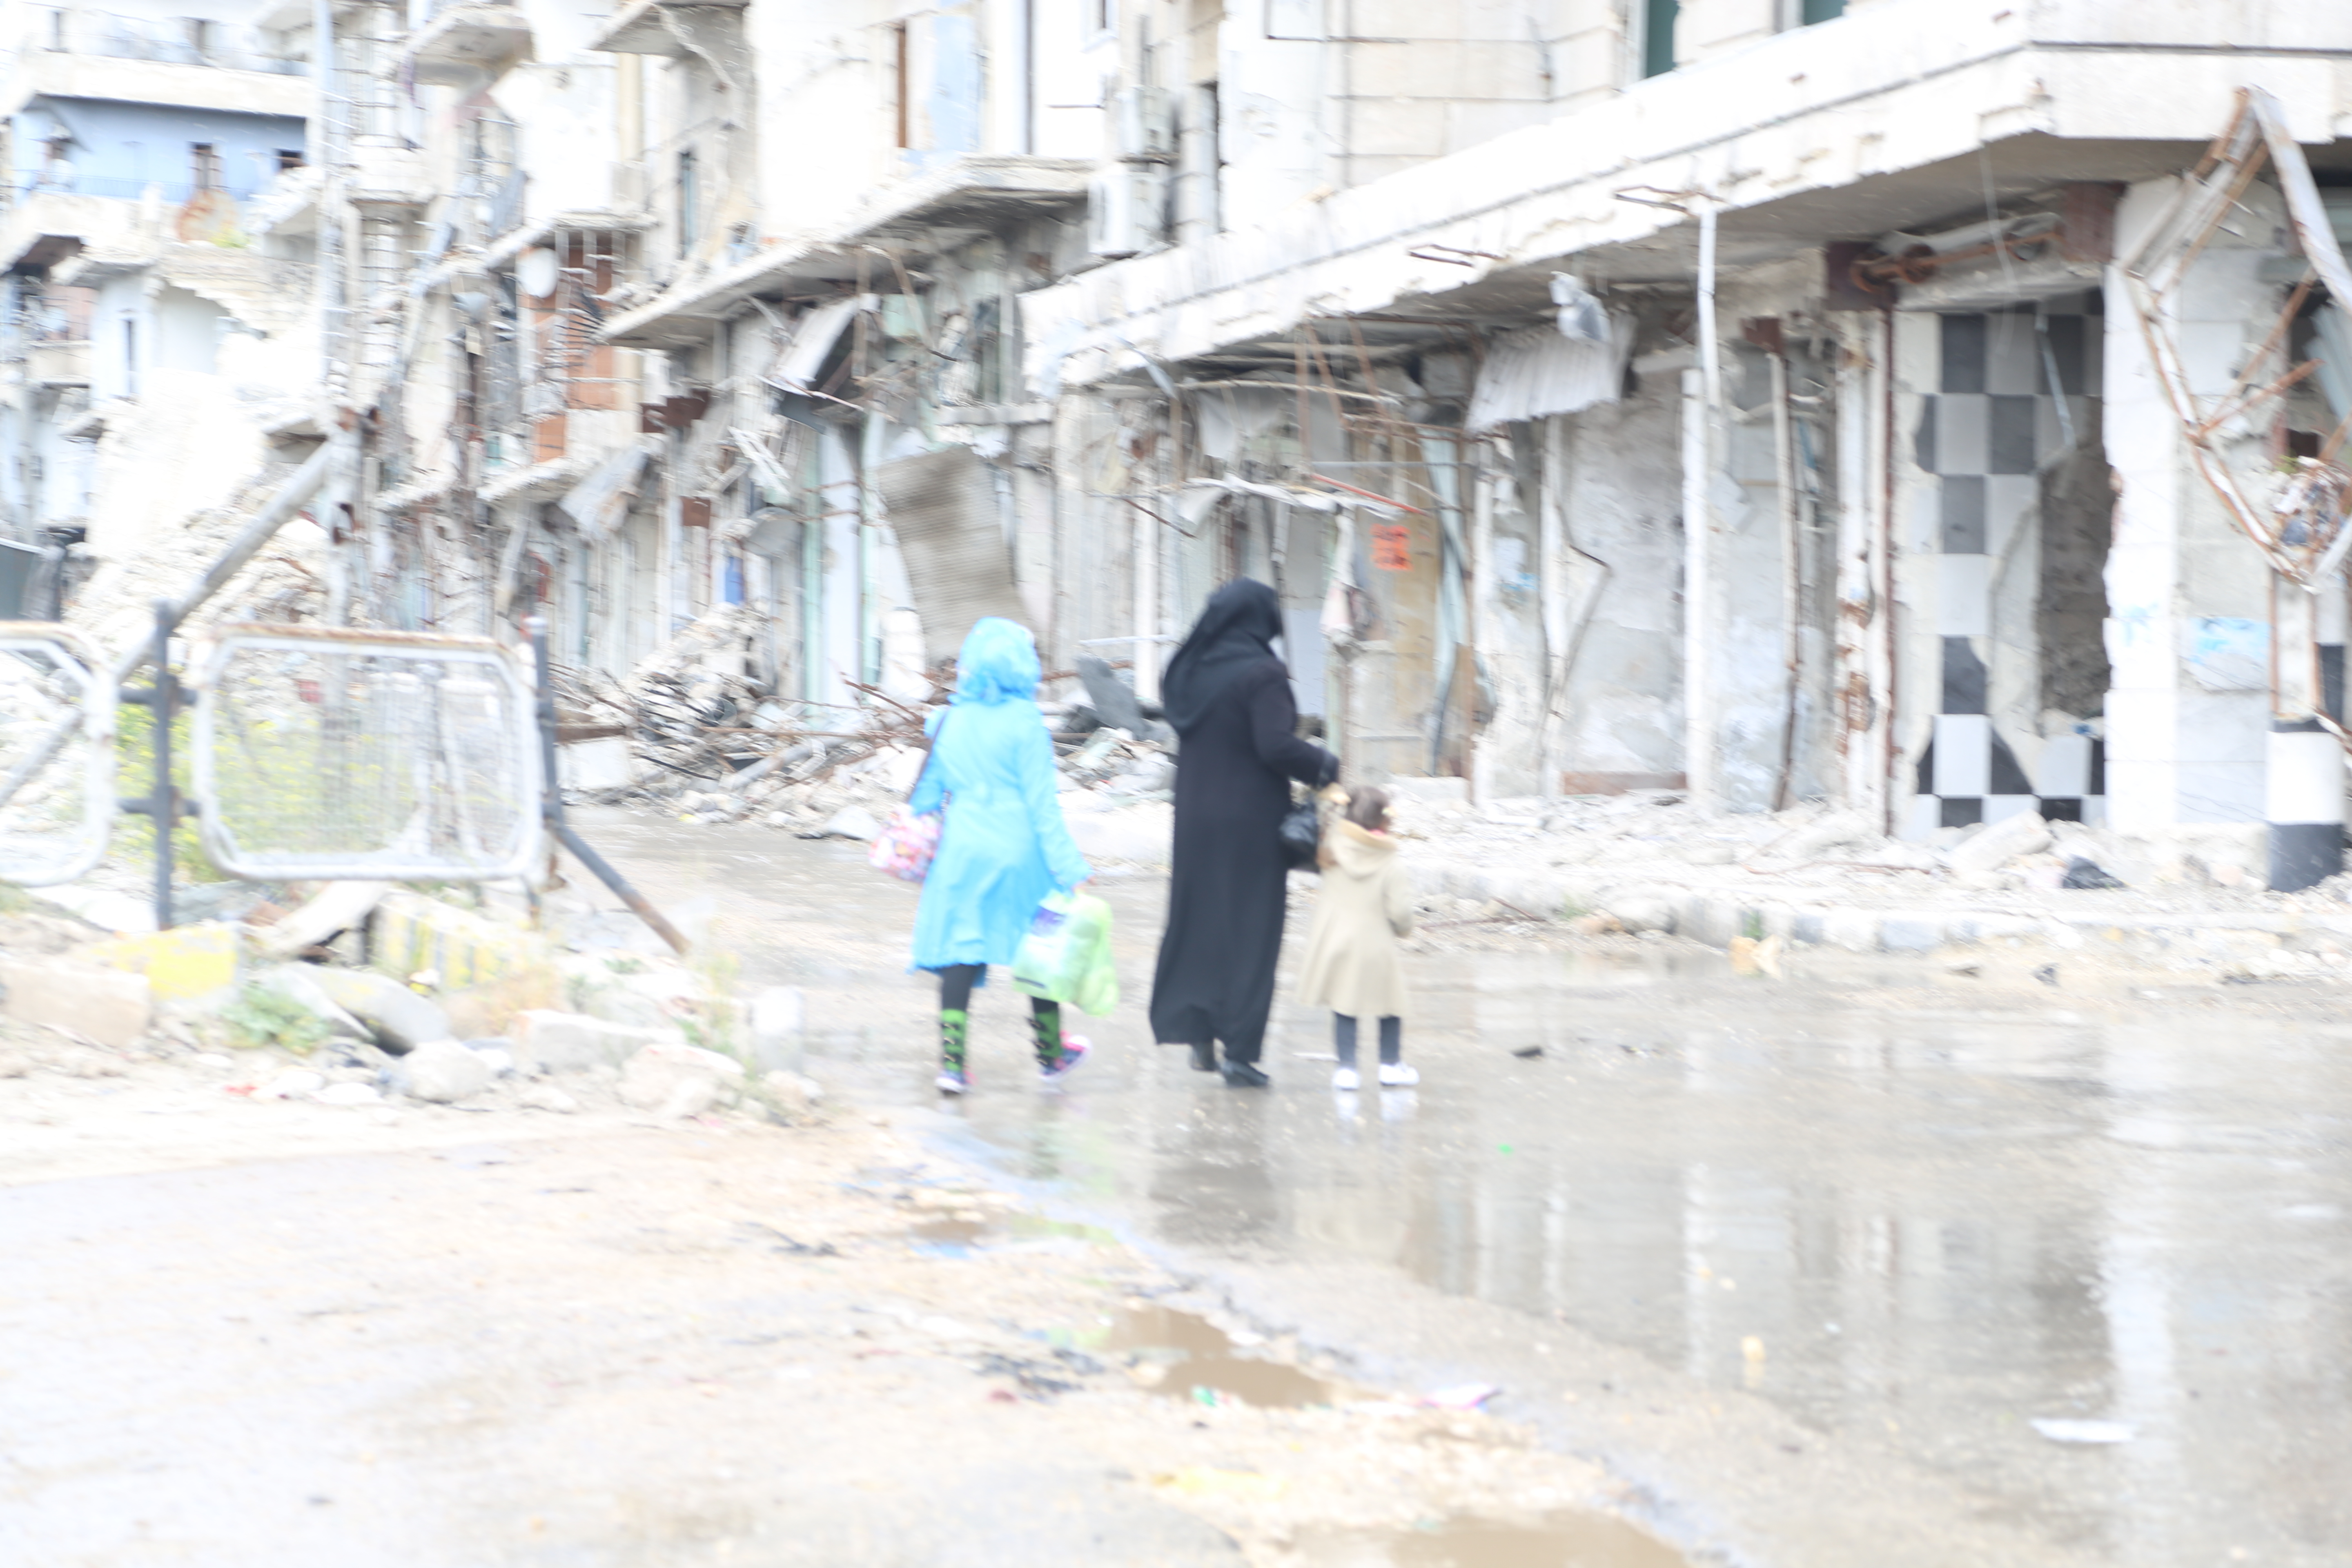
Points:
[(1066, 957)]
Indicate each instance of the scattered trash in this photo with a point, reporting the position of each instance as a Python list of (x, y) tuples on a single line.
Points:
[(2081, 873), (2061, 1430), (2047, 974), (1528, 1053), (296, 1084)]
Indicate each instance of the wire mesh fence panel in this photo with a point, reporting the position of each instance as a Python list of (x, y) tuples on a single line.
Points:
[(57, 725), (366, 754)]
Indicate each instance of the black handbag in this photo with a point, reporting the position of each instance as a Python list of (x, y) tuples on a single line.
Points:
[(1302, 835)]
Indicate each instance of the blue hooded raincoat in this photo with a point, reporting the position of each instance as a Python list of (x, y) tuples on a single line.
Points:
[(1002, 845)]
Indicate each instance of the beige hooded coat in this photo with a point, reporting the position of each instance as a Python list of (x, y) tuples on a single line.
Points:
[(1365, 904)]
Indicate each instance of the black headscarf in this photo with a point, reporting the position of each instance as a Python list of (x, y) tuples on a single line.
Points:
[(1237, 630)]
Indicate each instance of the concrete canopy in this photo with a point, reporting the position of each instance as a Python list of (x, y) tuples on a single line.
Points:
[(1876, 122)]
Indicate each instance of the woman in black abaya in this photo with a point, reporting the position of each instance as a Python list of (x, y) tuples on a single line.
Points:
[(1229, 698)]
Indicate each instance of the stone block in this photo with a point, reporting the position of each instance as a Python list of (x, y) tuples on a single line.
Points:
[(779, 1015), (1639, 913), (1910, 933), (193, 963), (548, 1041), (604, 763), (108, 1006), (1857, 931), (400, 1019), (443, 1071), (676, 1079)]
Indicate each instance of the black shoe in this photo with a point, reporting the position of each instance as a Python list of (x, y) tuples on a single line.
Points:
[(1244, 1075), (1204, 1056)]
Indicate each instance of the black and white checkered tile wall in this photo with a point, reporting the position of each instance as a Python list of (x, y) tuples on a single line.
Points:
[(1985, 434)]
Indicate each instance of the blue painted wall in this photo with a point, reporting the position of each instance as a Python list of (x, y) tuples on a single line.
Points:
[(118, 149)]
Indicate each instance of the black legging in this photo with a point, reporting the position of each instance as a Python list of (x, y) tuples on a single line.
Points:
[(1343, 1038), (956, 981)]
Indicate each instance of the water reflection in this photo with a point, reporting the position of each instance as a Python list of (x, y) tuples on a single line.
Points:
[(1937, 1219), (1933, 1211)]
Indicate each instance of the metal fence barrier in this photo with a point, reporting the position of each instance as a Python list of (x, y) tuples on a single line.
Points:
[(321, 753), (55, 828)]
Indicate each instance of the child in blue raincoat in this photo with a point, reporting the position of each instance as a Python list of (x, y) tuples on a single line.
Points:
[(1003, 843)]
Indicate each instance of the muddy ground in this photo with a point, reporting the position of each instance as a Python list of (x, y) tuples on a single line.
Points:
[(1765, 1272)]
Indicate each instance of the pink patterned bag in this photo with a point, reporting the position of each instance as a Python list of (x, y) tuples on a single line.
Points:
[(905, 846)]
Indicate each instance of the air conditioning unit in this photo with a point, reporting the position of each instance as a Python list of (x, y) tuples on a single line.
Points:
[(1126, 208), (1142, 123)]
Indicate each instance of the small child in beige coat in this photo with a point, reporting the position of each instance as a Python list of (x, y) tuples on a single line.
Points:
[(1352, 964)]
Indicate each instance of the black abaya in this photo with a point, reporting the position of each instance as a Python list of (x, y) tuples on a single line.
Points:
[(1225, 891)]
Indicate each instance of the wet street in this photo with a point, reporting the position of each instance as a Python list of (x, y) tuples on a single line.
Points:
[(1838, 1268)]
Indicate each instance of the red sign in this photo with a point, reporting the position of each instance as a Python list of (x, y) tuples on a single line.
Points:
[(1391, 547)]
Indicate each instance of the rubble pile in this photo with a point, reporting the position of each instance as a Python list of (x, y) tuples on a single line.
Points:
[(287, 582), (688, 733), (501, 1017)]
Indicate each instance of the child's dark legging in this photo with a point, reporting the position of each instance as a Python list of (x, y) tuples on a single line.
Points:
[(1343, 1037), (956, 982)]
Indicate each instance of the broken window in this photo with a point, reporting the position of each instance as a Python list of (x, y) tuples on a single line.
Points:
[(204, 166)]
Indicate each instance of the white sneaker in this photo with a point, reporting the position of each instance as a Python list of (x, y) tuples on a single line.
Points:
[(1396, 1075), (1345, 1078)]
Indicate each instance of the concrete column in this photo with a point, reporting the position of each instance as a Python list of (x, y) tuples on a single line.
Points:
[(2190, 600), (2303, 793), (1698, 630)]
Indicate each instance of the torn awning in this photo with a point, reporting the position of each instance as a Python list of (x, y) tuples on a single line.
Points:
[(944, 508), (812, 341), (1530, 374), (601, 499)]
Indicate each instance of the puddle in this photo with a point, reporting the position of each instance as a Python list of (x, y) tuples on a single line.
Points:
[(956, 1236), (1558, 1541), (1185, 1356), (952, 1232), (1166, 1329)]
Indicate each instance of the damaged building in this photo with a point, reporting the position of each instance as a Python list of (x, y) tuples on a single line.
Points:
[(1899, 405)]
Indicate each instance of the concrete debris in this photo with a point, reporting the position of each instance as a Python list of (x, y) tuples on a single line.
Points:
[(88, 1000), (1998, 843), (778, 1015), (678, 1080), (193, 963), (399, 1019), (850, 821), (547, 1041), (335, 907), (546, 1096), (791, 1094), (441, 1072)]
